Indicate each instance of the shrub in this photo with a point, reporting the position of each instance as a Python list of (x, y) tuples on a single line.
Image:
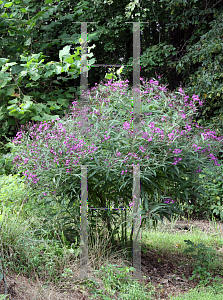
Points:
[(170, 147)]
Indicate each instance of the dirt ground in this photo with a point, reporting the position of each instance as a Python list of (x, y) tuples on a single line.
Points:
[(163, 270), (21, 288), (167, 272)]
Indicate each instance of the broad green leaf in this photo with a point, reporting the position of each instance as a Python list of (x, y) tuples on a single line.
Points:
[(37, 118), (58, 69), (13, 101), (23, 73), (34, 75), (55, 117), (69, 60), (26, 105), (14, 106), (61, 100), (3, 61), (11, 64), (64, 52), (9, 4), (48, 73), (3, 83), (109, 76), (10, 91), (66, 67), (14, 113), (91, 61), (26, 98), (47, 117), (77, 63)]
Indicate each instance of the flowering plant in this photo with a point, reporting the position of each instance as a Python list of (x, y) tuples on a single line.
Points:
[(169, 146)]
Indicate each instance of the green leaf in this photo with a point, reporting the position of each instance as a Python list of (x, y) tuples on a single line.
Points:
[(11, 122), (188, 242), (146, 204), (27, 105), (109, 76), (9, 4), (58, 69), (64, 52), (54, 107), (69, 60), (46, 116), (10, 91), (26, 98), (55, 117), (37, 118), (34, 75), (3, 61), (62, 101), (14, 113), (28, 42), (14, 106), (11, 64), (178, 172), (23, 73), (4, 78), (91, 61), (48, 73), (13, 101)]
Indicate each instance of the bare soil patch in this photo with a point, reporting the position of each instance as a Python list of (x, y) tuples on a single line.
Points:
[(22, 288), (169, 273), (202, 225)]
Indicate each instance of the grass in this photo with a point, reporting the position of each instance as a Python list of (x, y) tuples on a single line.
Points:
[(38, 249), (203, 293), (174, 243)]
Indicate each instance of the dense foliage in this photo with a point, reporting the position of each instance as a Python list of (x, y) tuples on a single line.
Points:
[(36, 30), (40, 55)]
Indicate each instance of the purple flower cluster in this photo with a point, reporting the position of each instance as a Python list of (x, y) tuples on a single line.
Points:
[(169, 201), (53, 145)]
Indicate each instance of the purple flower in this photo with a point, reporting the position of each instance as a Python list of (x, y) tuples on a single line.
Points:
[(177, 151), (126, 126), (167, 201), (131, 204)]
